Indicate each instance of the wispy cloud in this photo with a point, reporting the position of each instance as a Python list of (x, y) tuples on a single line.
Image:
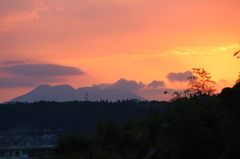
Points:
[(202, 50), (176, 51), (16, 11)]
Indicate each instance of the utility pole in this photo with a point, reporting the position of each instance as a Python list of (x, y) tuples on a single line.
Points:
[(86, 97)]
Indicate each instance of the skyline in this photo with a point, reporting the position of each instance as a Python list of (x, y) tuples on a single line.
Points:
[(143, 46)]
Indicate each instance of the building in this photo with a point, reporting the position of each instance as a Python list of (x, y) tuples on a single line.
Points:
[(43, 151)]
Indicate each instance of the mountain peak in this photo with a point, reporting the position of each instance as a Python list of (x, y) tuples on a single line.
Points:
[(46, 87)]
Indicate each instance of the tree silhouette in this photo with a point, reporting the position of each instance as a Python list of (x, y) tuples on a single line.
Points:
[(177, 95), (200, 83)]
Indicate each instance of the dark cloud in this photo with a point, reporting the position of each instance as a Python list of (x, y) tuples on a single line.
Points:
[(156, 84), (178, 77), (26, 81), (42, 70), (122, 84)]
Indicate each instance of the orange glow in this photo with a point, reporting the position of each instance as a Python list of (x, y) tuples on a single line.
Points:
[(141, 41)]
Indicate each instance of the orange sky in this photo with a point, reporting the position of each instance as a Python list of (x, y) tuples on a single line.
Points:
[(108, 40)]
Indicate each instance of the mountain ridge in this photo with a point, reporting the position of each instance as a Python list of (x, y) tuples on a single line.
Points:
[(61, 93)]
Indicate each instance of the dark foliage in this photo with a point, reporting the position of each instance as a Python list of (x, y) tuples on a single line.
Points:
[(197, 127), (70, 116)]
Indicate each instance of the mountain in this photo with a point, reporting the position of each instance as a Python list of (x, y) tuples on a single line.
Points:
[(61, 93)]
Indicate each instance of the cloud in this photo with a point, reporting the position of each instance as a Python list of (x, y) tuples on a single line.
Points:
[(122, 84), (42, 70), (16, 11), (179, 77), (156, 84), (129, 26), (26, 81), (129, 85)]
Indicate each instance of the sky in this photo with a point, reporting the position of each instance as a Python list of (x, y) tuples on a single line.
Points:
[(145, 46)]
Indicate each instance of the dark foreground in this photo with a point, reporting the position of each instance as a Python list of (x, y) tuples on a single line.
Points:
[(201, 127)]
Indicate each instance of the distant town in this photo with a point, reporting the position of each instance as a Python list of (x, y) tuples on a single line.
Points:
[(27, 143)]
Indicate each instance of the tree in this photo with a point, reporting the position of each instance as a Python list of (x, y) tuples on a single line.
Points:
[(178, 95), (200, 83)]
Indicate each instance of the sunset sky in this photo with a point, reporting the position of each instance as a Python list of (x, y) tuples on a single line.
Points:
[(146, 46)]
